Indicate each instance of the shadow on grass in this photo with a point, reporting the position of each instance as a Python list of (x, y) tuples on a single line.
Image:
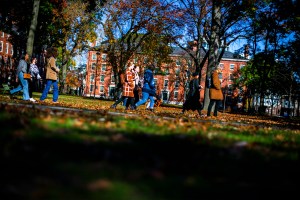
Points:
[(38, 163)]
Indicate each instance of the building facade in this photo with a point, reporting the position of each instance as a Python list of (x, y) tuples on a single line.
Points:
[(6, 60), (171, 79)]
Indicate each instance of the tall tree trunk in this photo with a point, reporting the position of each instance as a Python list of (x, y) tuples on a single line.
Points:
[(30, 39), (213, 48)]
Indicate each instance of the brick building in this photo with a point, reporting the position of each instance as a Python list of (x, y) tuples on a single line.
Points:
[(6, 61), (171, 80)]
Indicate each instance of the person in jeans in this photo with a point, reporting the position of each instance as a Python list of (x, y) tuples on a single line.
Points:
[(148, 90), (23, 83), (35, 77), (51, 75), (215, 92)]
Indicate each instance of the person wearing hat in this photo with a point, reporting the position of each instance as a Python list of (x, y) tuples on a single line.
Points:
[(193, 97), (215, 92)]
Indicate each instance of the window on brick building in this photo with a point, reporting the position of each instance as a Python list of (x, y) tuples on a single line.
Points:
[(177, 84), (231, 77), (242, 66), (221, 65), (166, 83), (92, 77), (155, 82), (103, 67), (2, 34), (104, 56), (112, 78), (1, 46), (102, 78), (94, 56), (11, 50), (111, 91), (93, 66), (165, 96), (231, 67), (91, 88), (175, 95), (178, 62), (101, 89)]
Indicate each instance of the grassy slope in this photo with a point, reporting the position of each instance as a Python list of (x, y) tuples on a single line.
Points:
[(48, 154)]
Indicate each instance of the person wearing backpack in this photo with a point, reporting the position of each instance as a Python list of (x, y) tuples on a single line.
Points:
[(148, 90), (215, 92), (193, 98)]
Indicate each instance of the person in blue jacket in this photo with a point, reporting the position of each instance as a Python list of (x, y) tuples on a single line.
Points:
[(148, 89)]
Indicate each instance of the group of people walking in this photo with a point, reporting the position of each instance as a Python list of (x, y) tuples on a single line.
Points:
[(28, 84), (132, 85), (133, 82)]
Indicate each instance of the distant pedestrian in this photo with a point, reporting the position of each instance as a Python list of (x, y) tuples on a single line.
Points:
[(215, 92), (192, 101), (23, 83), (148, 90), (51, 75), (33, 83), (127, 92), (137, 85)]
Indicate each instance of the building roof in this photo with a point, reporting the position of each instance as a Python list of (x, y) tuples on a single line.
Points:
[(177, 51)]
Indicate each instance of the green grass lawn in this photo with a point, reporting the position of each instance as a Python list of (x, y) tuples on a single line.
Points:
[(69, 154)]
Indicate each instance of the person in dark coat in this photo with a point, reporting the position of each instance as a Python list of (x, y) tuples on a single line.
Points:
[(215, 92), (193, 98)]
